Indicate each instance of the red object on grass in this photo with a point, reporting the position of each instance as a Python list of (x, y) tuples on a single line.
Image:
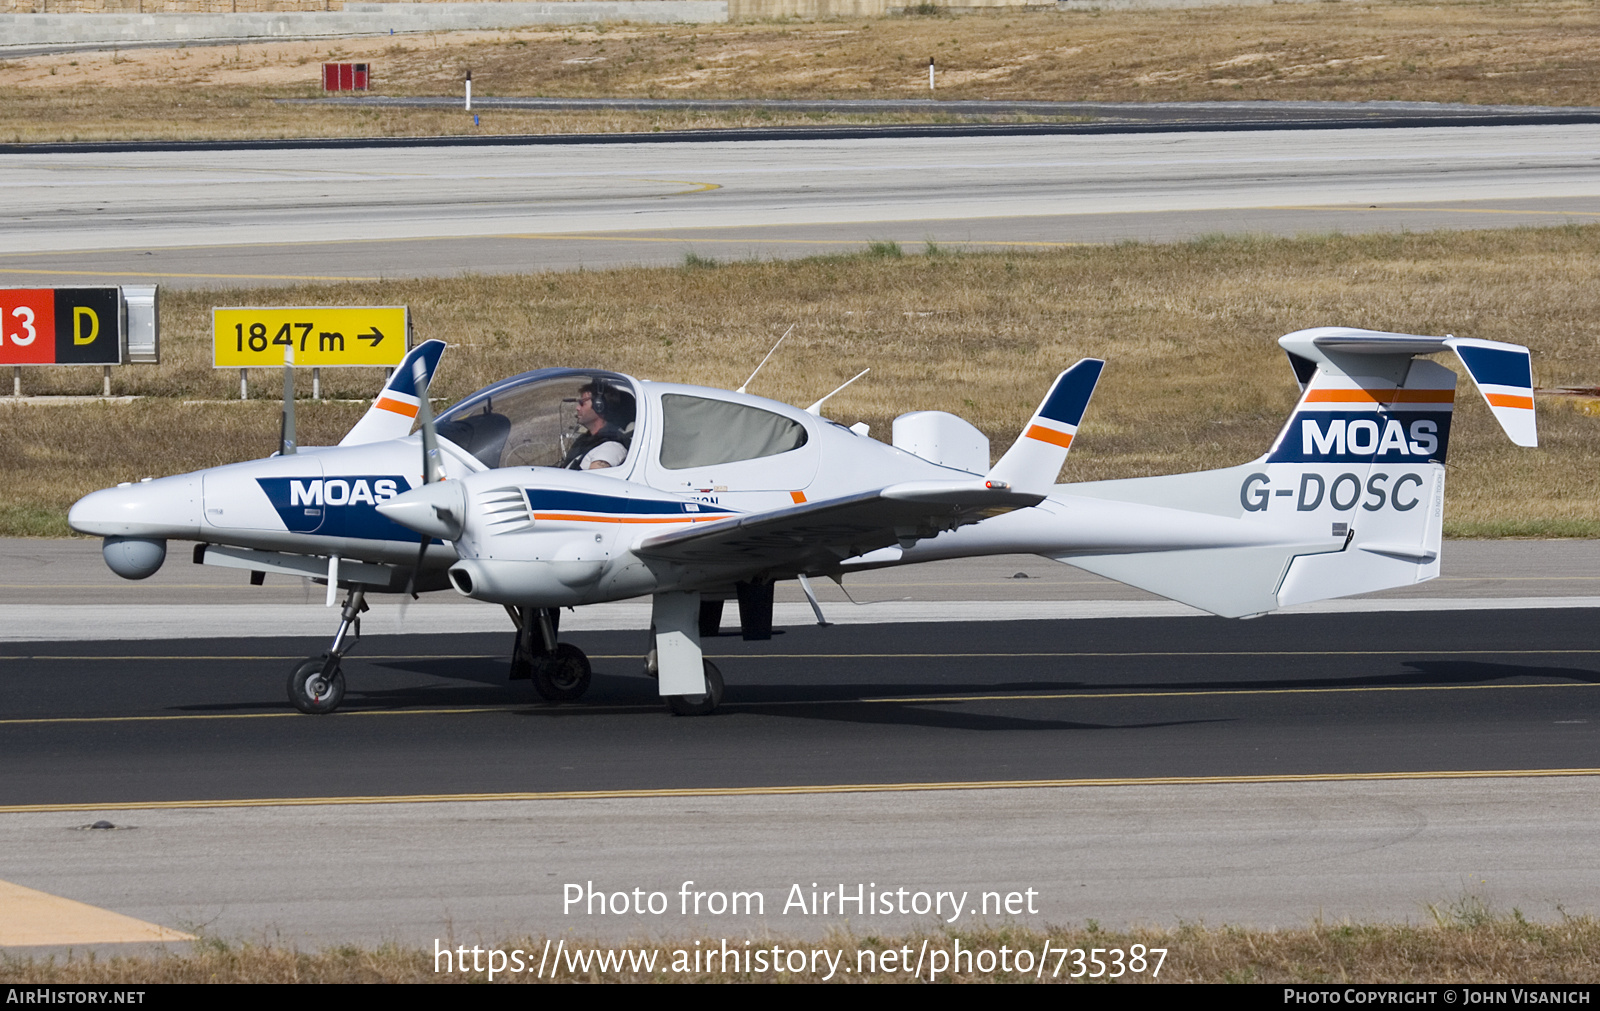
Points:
[(345, 76)]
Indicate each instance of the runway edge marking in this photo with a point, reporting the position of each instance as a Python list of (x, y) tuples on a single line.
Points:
[(760, 791)]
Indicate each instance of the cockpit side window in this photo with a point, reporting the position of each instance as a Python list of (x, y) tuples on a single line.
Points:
[(483, 435), (700, 432), (539, 423)]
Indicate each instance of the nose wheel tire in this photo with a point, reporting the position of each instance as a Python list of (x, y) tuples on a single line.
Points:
[(699, 705), (313, 691), (562, 676)]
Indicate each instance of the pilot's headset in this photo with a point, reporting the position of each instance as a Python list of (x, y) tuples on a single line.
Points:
[(609, 403)]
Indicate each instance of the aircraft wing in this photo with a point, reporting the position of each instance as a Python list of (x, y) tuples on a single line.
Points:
[(817, 535)]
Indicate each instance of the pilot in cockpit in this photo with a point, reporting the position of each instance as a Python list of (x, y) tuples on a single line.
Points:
[(604, 416)]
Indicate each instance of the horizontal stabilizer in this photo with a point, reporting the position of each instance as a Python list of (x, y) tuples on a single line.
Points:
[(395, 408), (1503, 372), (1034, 461)]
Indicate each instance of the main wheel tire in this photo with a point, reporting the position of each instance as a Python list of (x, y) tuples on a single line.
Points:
[(311, 691), (562, 676), (699, 705)]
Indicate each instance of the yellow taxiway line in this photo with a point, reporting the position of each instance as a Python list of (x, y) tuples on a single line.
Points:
[(749, 706), (773, 791)]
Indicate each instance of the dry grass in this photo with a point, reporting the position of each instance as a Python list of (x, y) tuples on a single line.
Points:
[(1195, 378), (1531, 52), (1465, 943)]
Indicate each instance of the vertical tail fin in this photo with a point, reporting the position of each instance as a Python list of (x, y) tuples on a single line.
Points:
[(1349, 499), (1034, 460), (395, 406)]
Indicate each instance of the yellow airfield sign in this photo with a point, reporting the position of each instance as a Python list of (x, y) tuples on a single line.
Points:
[(320, 336)]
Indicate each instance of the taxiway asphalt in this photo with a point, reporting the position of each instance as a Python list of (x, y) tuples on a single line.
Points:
[(1133, 771), (1002, 702)]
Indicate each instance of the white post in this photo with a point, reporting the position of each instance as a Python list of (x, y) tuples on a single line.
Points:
[(244, 384), (16, 380), (930, 73), (316, 384), (469, 90), (108, 381)]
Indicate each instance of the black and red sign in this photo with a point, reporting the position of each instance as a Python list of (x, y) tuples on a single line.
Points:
[(60, 326)]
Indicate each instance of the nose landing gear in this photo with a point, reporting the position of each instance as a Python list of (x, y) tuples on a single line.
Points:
[(316, 685)]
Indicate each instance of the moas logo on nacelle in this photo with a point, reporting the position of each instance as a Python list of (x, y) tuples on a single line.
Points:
[(337, 491), (1384, 438)]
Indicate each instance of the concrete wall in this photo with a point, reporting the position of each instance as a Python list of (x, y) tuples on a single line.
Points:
[(355, 19), (748, 10)]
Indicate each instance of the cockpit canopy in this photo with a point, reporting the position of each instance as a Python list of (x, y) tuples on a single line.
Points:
[(530, 420)]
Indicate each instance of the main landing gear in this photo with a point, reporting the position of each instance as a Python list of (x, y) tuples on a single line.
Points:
[(316, 685), (559, 671), (700, 705)]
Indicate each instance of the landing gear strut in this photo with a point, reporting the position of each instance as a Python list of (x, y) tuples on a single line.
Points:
[(316, 685), (560, 671)]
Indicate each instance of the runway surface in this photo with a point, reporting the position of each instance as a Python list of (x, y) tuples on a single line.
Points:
[(199, 218)]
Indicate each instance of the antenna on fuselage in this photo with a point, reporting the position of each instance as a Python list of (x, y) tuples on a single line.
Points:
[(785, 337), (816, 408)]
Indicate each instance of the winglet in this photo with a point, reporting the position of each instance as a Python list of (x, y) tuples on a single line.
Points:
[(1034, 460), (395, 407), (1504, 375)]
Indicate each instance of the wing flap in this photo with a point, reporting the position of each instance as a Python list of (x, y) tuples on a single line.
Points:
[(817, 535)]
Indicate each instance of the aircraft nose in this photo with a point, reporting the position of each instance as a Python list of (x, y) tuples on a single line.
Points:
[(166, 507)]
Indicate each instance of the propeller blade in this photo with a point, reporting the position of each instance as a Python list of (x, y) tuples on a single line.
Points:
[(416, 569), (432, 466), (432, 469), (286, 436)]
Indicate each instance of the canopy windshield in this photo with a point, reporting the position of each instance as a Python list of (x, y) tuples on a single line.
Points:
[(531, 420)]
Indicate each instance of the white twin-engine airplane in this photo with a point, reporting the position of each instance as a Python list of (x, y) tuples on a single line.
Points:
[(693, 496)]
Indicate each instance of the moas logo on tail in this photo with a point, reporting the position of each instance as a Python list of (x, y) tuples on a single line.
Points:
[(1322, 437)]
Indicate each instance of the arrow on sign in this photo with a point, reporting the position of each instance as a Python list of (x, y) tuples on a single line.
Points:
[(376, 336)]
